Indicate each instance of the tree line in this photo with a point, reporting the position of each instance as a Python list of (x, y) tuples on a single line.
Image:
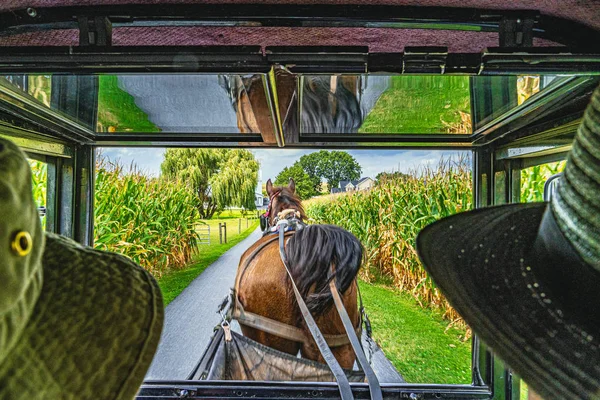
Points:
[(312, 169), (228, 177)]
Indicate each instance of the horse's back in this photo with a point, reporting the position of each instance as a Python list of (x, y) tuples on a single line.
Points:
[(263, 288)]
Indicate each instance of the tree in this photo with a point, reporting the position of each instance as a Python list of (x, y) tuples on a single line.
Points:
[(304, 187), (312, 164), (235, 184), (390, 176), (334, 166), (219, 177), (339, 166)]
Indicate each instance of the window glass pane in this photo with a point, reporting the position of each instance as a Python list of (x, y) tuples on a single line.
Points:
[(40, 86), (496, 95), (39, 180), (37, 86), (527, 86), (385, 104), (180, 103), (71, 97), (499, 187), (17, 81), (534, 178)]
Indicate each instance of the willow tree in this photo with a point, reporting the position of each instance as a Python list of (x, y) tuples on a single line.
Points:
[(219, 177)]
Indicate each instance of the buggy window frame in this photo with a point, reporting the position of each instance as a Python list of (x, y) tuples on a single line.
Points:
[(524, 136)]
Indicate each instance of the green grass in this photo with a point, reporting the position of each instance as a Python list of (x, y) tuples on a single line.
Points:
[(415, 340), (229, 214), (117, 111), (175, 282), (422, 104), (232, 224)]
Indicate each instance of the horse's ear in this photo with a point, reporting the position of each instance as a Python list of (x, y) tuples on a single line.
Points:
[(292, 185), (269, 187)]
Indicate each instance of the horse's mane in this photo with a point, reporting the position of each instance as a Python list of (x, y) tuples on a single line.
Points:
[(312, 251), (324, 111)]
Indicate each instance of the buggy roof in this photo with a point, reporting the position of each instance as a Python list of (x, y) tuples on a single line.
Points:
[(568, 16), (279, 44)]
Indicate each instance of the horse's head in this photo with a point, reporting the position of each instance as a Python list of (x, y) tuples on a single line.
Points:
[(282, 198)]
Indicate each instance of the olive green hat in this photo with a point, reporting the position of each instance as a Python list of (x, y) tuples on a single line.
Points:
[(75, 323), (526, 277)]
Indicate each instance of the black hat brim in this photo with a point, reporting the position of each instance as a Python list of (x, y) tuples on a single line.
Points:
[(479, 260)]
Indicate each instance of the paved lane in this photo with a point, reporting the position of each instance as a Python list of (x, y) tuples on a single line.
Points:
[(191, 317)]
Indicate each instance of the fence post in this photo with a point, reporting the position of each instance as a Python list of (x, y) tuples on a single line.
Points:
[(225, 229), (239, 226), (220, 234), (246, 223)]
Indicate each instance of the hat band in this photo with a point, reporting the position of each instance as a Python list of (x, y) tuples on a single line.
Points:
[(573, 282)]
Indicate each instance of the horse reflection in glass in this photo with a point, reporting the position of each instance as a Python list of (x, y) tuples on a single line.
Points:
[(330, 104)]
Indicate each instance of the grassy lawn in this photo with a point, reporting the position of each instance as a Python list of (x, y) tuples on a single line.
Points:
[(233, 228), (229, 214), (422, 104), (117, 110), (173, 283), (413, 339)]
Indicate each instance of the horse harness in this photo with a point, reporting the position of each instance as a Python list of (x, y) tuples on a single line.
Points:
[(323, 341), (272, 326)]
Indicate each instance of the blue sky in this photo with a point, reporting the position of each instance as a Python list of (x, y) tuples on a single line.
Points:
[(272, 161)]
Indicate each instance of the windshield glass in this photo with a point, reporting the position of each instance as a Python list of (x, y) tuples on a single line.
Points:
[(308, 105)]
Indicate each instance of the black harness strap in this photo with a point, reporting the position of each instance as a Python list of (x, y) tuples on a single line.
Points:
[(374, 386), (336, 369)]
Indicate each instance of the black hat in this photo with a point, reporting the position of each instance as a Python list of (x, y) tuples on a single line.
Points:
[(526, 277)]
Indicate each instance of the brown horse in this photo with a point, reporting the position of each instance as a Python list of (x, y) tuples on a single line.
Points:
[(316, 254)]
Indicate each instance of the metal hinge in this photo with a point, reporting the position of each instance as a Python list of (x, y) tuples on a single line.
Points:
[(516, 32), (424, 60), (94, 31)]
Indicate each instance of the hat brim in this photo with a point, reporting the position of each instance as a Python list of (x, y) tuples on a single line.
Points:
[(479, 260), (93, 331)]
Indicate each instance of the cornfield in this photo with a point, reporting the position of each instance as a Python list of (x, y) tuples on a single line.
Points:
[(534, 178), (147, 219), (39, 179), (388, 218)]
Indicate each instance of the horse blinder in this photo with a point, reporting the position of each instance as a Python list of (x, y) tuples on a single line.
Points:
[(264, 222)]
